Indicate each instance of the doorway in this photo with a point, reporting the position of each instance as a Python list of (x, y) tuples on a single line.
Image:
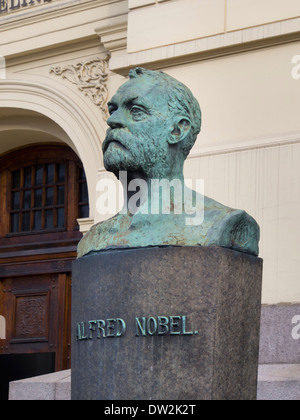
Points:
[(14, 367), (43, 191)]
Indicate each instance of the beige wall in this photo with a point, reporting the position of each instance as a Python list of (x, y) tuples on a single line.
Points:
[(245, 97), (249, 151), (235, 55), (154, 23), (168, 23), (265, 182), (247, 13), (2, 328)]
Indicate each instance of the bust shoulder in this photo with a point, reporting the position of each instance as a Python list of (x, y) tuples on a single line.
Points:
[(237, 230)]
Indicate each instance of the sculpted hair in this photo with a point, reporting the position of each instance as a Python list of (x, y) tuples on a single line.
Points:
[(181, 100)]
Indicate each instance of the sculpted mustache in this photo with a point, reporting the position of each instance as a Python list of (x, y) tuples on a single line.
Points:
[(121, 137)]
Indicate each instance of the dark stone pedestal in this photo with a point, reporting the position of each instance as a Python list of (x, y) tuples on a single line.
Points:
[(166, 324)]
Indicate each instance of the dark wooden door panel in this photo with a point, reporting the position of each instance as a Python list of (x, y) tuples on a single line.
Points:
[(36, 309), (43, 191), (31, 316)]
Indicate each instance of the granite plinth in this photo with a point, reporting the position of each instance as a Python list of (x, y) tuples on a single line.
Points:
[(174, 323)]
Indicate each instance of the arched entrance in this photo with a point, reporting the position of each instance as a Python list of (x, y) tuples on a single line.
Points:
[(43, 192), (50, 151), (56, 111)]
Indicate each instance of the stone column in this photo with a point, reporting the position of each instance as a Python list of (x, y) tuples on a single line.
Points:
[(168, 323)]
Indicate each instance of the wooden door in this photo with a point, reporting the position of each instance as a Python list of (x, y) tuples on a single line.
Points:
[(37, 314), (43, 191)]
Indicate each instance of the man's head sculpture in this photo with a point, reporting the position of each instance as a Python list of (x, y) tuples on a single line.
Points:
[(154, 122)]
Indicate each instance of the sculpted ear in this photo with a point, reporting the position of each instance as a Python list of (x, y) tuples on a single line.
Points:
[(181, 130)]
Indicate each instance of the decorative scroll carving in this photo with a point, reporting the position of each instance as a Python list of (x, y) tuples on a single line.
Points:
[(90, 77)]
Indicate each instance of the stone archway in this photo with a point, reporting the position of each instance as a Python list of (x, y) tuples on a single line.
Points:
[(32, 114), (62, 112)]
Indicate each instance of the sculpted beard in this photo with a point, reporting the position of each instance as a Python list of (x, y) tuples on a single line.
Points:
[(118, 155), (132, 153)]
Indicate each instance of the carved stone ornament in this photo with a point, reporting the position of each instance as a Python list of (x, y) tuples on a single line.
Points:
[(90, 77)]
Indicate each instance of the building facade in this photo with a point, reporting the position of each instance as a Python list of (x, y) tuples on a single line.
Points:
[(60, 62)]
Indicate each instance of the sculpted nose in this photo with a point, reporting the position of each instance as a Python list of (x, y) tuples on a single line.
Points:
[(117, 120)]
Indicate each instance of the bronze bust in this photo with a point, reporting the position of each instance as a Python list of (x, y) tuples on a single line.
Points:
[(154, 122)]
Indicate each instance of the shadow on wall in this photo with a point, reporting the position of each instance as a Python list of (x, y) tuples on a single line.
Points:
[(14, 367)]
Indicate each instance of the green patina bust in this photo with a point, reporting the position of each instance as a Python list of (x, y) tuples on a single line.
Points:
[(154, 122)]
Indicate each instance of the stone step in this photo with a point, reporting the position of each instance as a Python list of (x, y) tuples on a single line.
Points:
[(275, 382), (279, 382), (54, 386)]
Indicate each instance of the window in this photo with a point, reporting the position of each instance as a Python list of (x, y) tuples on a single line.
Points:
[(46, 190), (38, 198)]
